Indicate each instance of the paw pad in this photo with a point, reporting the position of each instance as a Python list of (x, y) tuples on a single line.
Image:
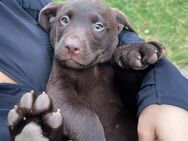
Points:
[(54, 119), (42, 103), (31, 132), (14, 116), (26, 101)]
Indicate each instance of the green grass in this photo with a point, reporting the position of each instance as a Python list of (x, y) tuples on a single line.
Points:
[(162, 20)]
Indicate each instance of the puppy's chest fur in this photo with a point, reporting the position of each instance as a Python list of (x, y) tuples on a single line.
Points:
[(96, 88)]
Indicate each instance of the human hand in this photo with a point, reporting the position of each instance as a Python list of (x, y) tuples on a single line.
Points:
[(138, 56), (163, 123)]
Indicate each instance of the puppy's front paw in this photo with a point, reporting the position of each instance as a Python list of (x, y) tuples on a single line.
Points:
[(33, 119), (138, 56)]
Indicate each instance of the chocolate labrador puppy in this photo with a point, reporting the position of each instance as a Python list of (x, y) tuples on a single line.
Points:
[(82, 83)]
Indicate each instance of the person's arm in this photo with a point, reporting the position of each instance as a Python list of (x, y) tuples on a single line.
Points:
[(129, 68), (127, 37), (162, 100), (33, 7)]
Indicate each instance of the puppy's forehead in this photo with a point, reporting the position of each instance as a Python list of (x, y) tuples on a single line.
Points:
[(86, 7), (90, 4)]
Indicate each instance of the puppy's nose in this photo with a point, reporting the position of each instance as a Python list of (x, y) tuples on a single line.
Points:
[(73, 45)]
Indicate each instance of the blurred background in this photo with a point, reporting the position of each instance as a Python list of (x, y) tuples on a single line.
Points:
[(161, 20)]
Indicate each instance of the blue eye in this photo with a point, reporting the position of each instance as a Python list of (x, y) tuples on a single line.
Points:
[(98, 27), (65, 20)]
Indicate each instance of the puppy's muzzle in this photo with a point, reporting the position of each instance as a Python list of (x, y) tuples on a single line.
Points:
[(73, 45)]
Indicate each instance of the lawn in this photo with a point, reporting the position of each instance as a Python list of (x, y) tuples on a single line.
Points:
[(162, 20)]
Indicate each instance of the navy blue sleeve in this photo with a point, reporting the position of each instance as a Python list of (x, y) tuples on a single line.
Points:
[(25, 50), (33, 7), (127, 37), (25, 54), (162, 83)]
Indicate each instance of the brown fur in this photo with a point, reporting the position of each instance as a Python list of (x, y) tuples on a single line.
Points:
[(82, 81), (84, 88)]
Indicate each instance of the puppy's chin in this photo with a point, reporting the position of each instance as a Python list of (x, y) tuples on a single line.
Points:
[(72, 64)]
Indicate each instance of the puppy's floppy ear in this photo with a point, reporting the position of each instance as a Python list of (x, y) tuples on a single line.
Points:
[(123, 20), (48, 14)]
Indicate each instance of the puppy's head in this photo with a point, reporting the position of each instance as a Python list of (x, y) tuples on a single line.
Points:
[(82, 32)]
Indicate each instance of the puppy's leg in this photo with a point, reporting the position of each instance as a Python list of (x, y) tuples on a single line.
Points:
[(138, 56)]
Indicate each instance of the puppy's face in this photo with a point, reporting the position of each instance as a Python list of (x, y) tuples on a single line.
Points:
[(82, 32)]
